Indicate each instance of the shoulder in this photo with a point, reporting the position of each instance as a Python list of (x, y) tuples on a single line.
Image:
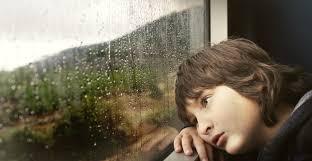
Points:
[(301, 150), (294, 139), (302, 147), (304, 137)]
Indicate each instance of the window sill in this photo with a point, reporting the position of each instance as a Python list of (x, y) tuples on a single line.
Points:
[(181, 157)]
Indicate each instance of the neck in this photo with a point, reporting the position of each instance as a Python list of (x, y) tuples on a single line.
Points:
[(283, 112)]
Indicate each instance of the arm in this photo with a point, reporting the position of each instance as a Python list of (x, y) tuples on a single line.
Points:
[(188, 139)]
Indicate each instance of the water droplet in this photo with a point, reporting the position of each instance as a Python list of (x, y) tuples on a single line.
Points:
[(13, 87), (8, 110), (29, 140)]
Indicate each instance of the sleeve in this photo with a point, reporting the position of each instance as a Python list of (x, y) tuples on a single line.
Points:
[(252, 156), (303, 146)]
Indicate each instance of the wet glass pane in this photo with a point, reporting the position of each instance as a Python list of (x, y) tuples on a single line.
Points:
[(92, 80)]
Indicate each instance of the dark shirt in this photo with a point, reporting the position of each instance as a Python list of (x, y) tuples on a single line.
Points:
[(293, 141)]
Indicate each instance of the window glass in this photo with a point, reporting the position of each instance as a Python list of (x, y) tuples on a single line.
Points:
[(92, 79)]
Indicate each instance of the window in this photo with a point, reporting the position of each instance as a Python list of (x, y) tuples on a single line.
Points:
[(93, 80)]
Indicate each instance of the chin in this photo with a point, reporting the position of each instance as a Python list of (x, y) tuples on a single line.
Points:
[(234, 149)]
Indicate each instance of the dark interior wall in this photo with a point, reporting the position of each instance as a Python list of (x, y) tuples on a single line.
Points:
[(281, 27)]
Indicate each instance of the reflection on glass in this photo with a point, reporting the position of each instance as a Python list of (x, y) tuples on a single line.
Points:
[(102, 100)]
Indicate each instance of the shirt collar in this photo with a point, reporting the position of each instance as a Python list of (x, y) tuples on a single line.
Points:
[(304, 98)]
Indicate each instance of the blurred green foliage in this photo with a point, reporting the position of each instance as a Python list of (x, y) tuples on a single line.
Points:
[(84, 97), (32, 94)]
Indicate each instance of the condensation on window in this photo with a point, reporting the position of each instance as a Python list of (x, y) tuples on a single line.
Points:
[(93, 80)]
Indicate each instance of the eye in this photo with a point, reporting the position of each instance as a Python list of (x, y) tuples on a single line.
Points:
[(205, 101)]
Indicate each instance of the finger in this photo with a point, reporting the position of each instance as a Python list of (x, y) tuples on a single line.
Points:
[(187, 145), (201, 149), (209, 151), (177, 143)]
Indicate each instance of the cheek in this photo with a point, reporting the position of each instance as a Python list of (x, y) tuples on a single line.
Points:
[(242, 142), (238, 116), (243, 137), (235, 144), (242, 125), (227, 115)]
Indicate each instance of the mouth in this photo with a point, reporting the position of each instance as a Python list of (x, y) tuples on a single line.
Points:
[(216, 138)]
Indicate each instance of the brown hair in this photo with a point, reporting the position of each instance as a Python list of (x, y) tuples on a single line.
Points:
[(243, 66)]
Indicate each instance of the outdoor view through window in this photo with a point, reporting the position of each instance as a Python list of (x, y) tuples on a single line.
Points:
[(92, 80)]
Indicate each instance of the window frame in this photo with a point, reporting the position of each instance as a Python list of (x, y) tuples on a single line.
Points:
[(216, 30)]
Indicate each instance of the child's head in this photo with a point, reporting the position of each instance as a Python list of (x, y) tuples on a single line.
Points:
[(234, 87)]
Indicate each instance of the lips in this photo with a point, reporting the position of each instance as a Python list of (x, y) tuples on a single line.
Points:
[(216, 138)]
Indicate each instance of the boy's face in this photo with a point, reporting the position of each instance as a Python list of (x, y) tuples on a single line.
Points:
[(227, 120)]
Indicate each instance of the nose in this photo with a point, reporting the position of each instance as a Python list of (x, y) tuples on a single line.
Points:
[(204, 128)]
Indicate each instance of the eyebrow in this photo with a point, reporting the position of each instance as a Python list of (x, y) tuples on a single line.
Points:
[(201, 93)]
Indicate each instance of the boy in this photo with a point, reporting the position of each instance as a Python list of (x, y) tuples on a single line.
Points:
[(236, 99)]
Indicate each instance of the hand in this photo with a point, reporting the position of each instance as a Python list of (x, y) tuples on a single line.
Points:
[(189, 138)]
